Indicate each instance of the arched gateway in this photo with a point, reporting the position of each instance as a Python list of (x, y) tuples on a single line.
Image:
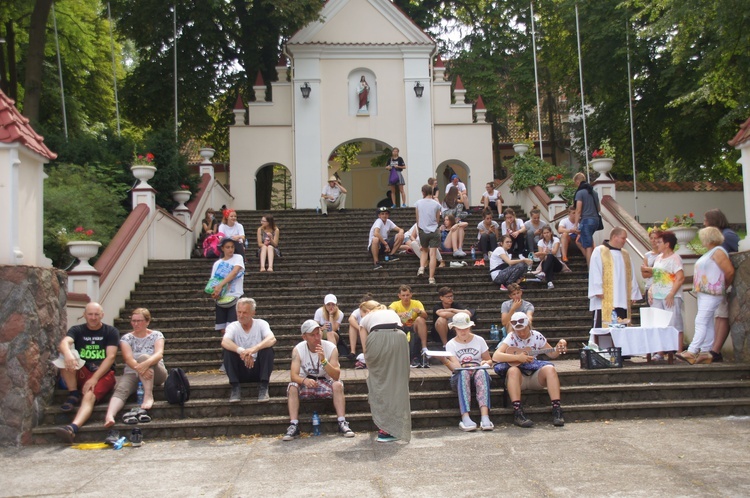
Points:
[(371, 82)]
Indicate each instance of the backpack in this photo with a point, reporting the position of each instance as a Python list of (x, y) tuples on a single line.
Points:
[(177, 389), (211, 245)]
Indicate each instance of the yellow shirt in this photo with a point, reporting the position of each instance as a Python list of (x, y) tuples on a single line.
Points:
[(408, 315)]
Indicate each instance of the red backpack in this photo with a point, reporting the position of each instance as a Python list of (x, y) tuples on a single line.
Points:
[(211, 245)]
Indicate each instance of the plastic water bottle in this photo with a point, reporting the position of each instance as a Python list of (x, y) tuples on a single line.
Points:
[(316, 424), (505, 333), (531, 258), (494, 333), (613, 319), (120, 442), (387, 257), (139, 393), (473, 253), (317, 210)]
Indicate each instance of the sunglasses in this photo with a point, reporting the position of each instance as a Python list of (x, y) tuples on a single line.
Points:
[(522, 321)]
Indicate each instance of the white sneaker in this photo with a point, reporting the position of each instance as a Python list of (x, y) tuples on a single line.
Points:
[(550, 285), (420, 272)]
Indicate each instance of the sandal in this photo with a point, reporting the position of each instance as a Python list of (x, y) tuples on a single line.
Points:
[(70, 403), (66, 433), (143, 416), (131, 417)]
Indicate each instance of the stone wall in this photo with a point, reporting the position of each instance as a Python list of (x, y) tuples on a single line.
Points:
[(739, 306), (32, 323)]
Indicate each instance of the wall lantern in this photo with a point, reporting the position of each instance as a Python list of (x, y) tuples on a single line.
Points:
[(418, 90), (305, 89)]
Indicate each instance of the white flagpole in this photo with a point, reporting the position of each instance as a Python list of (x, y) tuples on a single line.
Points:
[(59, 72), (174, 30), (632, 132), (583, 103), (536, 83), (114, 69)]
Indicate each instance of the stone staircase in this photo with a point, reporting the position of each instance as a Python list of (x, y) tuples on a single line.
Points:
[(324, 255)]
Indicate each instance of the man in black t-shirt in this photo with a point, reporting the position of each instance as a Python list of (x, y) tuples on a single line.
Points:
[(96, 344), (443, 312)]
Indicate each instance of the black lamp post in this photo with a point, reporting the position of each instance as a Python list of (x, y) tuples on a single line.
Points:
[(418, 90), (305, 89)]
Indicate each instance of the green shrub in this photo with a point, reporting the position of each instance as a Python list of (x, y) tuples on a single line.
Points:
[(530, 170)]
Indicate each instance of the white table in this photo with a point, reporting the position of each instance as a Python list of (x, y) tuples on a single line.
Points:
[(637, 340)]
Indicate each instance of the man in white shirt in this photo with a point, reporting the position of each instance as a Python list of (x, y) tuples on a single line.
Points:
[(379, 241), (612, 279), (334, 195), (463, 196), (314, 374), (248, 351), (428, 221)]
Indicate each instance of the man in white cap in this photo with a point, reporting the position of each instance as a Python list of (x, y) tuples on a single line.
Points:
[(516, 360), (314, 374), (248, 351), (379, 242), (87, 365), (334, 195)]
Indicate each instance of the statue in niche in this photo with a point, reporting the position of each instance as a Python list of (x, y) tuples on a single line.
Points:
[(363, 90)]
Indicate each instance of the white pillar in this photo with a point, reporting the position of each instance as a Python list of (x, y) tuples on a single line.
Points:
[(10, 245), (745, 162)]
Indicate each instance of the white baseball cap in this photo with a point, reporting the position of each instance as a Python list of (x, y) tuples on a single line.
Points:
[(461, 321), (309, 326), (59, 362), (330, 298), (521, 320)]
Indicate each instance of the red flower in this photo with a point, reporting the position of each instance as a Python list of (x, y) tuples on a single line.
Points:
[(691, 215), (185, 187), (597, 153), (79, 229), (149, 157), (89, 232), (140, 156)]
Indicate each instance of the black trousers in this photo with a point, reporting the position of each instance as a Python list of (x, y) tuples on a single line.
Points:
[(487, 243), (239, 373), (550, 266)]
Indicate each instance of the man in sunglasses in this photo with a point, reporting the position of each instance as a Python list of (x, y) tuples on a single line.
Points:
[(522, 345)]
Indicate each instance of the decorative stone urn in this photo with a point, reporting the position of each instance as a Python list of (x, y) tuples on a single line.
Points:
[(181, 197), (144, 173), (207, 153), (602, 165), (520, 149), (84, 250), (684, 236), (556, 189)]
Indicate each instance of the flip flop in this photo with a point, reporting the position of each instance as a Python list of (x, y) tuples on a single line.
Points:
[(70, 403), (131, 417), (143, 416)]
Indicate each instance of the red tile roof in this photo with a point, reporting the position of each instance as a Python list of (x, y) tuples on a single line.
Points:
[(16, 128), (680, 186), (742, 136)]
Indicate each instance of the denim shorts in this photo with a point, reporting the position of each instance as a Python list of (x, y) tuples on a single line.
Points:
[(588, 226)]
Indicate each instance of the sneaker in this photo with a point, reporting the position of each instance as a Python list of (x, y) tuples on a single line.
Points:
[(394, 258), (377, 266), (292, 432), (656, 358), (344, 429), (425, 362), (136, 438), (486, 427), (263, 396), (431, 281), (404, 205), (384, 437), (550, 285), (520, 419), (236, 395), (112, 436), (557, 417), (458, 253), (503, 288), (360, 365), (467, 427), (420, 272), (222, 369), (416, 363), (351, 356), (718, 357)]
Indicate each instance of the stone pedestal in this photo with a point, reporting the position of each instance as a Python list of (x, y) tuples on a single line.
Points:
[(739, 307)]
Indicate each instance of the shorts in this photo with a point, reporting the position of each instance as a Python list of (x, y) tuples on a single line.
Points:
[(588, 226), (381, 250), (723, 310), (102, 388), (531, 381), (225, 316), (324, 389), (429, 240)]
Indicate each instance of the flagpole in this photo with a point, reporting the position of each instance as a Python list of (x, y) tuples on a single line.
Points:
[(114, 69), (583, 103), (632, 132), (174, 30), (536, 83)]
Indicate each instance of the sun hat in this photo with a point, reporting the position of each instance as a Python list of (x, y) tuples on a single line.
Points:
[(59, 362), (461, 321), (521, 319), (332, 178), (330, 298), (309, 326)]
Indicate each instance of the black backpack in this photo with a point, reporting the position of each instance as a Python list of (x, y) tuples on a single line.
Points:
[(177, 389)]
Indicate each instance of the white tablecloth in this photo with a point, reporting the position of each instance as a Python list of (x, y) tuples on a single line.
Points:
[(638, 340)]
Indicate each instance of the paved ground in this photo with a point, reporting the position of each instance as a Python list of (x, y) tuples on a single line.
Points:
[(679, 457)]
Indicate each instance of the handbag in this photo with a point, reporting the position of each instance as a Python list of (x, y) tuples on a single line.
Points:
[(211, 286), (226, 301), (393, 177), (601, 223)]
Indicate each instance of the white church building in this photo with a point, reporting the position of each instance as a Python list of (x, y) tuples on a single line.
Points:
[(314, 109)]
